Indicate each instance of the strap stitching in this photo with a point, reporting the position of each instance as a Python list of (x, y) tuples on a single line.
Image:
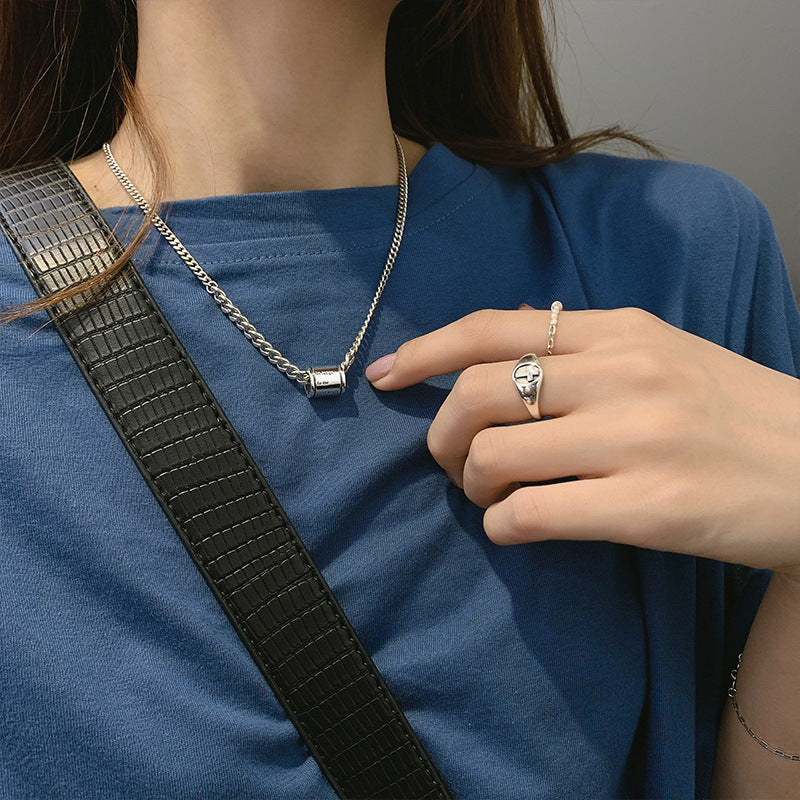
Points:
[(312, 577), (341, 620)]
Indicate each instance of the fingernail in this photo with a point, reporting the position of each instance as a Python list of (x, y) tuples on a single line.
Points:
[(525, 305), (380, 368)]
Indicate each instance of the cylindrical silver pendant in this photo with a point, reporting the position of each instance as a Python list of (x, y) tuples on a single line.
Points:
[(325, 381)]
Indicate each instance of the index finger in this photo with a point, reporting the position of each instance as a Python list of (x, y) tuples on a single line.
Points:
[(483, 336)]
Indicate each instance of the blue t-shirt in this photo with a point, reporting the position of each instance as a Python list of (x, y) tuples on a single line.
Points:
[(553, 670)]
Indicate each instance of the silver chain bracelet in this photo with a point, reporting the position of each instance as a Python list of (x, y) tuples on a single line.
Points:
[(750, 731)]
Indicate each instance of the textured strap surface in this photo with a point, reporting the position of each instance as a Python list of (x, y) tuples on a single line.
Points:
[(215, 496)]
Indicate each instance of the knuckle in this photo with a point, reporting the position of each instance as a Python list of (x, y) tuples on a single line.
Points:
[(645, 368), (478, 325), (525, 516), (633, 321), (485, 454), (434, 441), (471, 388), (406, 352)]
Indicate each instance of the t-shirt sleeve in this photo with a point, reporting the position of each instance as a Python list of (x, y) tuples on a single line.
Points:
[(765, 313), (761, 322), (773, 319)]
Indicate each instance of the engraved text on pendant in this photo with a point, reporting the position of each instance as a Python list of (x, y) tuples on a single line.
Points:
[(325, 381)]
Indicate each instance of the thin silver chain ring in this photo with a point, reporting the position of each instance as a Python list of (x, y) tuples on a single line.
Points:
[(317, 381)]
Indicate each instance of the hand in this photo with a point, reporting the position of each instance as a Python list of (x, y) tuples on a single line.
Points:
[(677, 443)]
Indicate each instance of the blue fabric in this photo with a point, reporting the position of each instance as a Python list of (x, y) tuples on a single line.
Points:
[(553, 670)]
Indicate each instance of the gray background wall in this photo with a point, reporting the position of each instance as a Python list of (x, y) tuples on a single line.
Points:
[(709, 81)]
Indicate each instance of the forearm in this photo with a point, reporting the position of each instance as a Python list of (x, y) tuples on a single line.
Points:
[(768, 694)]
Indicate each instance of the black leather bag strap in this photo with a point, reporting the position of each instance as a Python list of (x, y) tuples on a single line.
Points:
[(214, 495)]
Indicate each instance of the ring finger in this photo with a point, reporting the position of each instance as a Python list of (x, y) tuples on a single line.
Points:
[(501, 457), (485, 395)]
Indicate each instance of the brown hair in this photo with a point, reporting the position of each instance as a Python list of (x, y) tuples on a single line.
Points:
[(474, 74)]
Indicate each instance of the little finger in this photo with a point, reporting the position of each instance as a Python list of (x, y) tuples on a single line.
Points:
[(606, 509)]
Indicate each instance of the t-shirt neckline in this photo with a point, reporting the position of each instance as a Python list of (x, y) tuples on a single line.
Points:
[(294, 213)]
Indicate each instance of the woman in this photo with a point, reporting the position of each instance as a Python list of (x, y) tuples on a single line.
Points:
[(591, 659)]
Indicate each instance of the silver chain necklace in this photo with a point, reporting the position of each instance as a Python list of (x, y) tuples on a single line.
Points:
[(317, 381)]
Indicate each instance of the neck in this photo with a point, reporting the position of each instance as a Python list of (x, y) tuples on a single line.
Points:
[(256, 96)]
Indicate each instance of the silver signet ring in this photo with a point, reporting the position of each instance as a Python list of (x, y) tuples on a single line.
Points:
[(528, 377)]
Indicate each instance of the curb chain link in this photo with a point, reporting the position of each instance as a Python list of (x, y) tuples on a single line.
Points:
[(271, 353)]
